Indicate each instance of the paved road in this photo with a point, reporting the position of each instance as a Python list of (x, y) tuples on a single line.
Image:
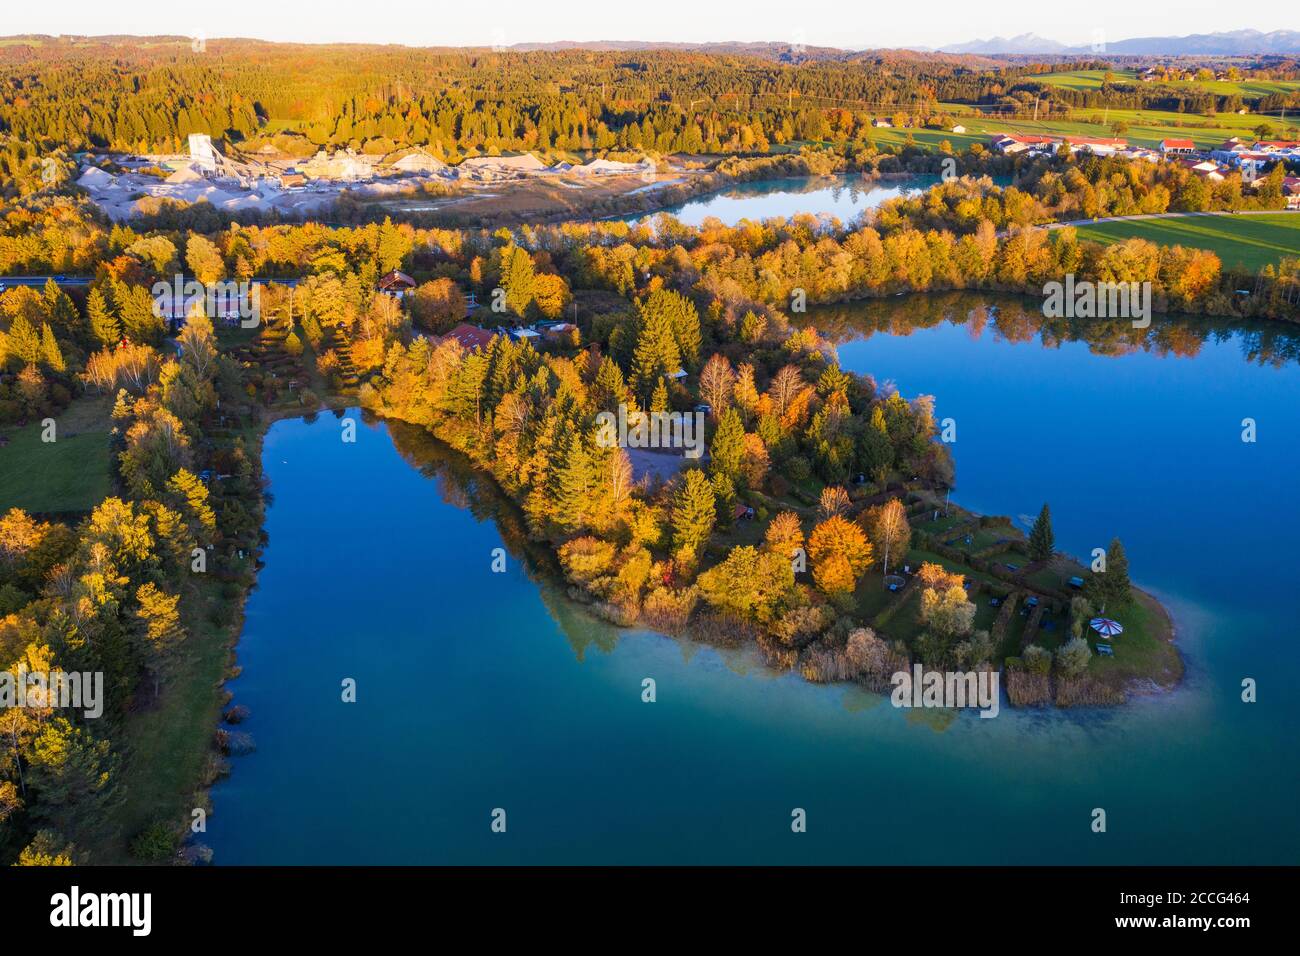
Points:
[(66, 280), (7, 281)]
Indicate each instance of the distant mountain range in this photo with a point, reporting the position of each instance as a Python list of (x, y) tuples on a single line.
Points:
[(1232, 43), (972, 54)]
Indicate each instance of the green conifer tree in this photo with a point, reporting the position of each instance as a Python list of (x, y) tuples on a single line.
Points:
[(693, 514), (728, 447), (103, 323), (50, 354), (1042, 542)]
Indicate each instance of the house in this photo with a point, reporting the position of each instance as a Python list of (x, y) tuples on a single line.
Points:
[(679, 375), (471, 337), (742, 512), (882, 124), (524, 334), (1177, 147), (957, 129), (291, 179), (1276, 145), (1254, 165), (1229, 151), (1206, 169), (1097, 145), (396, 283), (1011, 143), (558, 331), (1291, 190)]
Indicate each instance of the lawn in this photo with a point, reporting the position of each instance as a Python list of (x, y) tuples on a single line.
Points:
[(872, 595), (1251, 242), (1086, 79), (72, 473), (1144, 650), (168, 745), (1092, 79), (1145, 127)]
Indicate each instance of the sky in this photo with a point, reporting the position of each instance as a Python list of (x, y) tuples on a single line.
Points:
[(838, 23)]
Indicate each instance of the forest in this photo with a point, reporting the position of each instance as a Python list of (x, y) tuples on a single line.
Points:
[(59, 97), (145, 582)]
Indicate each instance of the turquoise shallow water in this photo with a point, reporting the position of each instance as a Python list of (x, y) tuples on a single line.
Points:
[(479, 690)]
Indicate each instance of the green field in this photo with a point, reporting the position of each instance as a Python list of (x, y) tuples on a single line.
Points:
[(1145, 127), (1085, 79), (72, 473), (1251, 242), (1092, 79)]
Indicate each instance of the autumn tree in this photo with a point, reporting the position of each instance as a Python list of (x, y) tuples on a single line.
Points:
[(749, 582), (888, 530), (840, 552), (947, 612), (834, 501), (438, 305), (717, 379), (204, 259), (784, 534)]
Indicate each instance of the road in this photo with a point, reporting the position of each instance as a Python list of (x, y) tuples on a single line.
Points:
[(7, 282)]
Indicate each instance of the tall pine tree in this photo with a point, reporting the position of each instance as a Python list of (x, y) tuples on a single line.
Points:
[(103, 323), (693, 516), (1042, 542)]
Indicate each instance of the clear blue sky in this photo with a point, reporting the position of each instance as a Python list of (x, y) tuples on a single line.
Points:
[(840, 23)]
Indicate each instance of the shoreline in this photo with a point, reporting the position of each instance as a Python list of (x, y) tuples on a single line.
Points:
[(707, 628)]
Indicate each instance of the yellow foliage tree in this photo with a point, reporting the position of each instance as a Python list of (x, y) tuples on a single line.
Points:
[(840, 553)]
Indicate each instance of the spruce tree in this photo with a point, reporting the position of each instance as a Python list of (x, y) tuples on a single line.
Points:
[(655, 354), (610, 388), (50, 354), (23, 342), (728, 447), (1118, 586), (1042, 542), (577, 485), (659, 400), (61, 310), (103, 323), (693, 516), (1111, 588)]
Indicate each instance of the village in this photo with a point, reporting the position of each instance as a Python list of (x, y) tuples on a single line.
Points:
[(1252, 160)]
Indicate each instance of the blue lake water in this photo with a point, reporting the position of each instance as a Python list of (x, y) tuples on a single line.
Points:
[(843, 197), (479, 690)]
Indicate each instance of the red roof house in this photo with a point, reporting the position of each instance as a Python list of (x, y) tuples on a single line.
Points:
[(470, 336), (396, 282)]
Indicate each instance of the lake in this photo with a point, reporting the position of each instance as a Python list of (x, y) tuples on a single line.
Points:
[(479, 690), (843, 197)]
